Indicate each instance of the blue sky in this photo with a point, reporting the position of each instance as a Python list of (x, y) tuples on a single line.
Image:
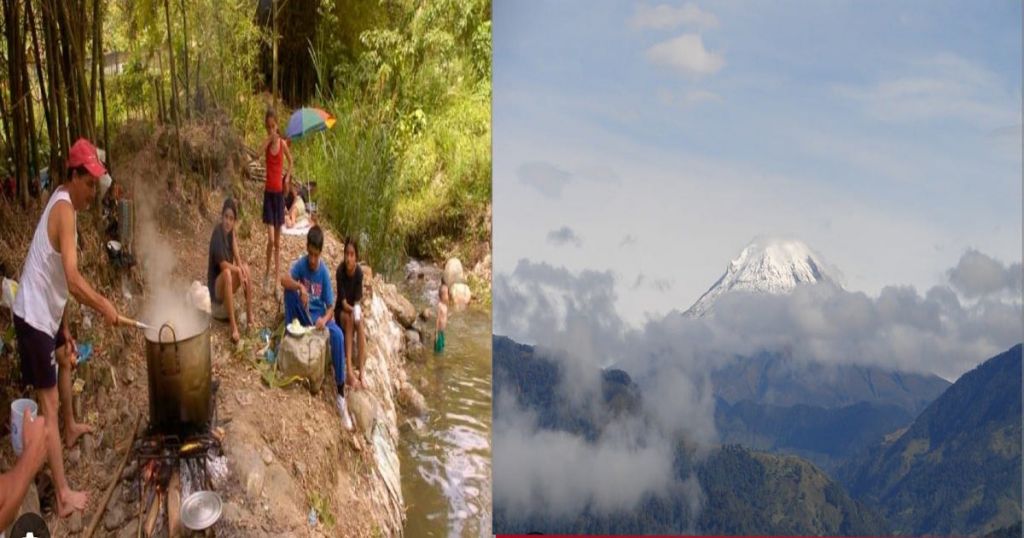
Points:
[(655, 140)]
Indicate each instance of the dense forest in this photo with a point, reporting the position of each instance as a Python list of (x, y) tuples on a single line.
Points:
[(406, 167)]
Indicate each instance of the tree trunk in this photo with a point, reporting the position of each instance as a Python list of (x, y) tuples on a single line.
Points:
[(103, 95), (15, 70), (5, 123), (273, 37), (97, 58), (33, 155), (76, 80), (174, 92), (54, 145), (185, 62)]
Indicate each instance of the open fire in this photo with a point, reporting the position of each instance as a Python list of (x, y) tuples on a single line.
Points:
[(169, 463)]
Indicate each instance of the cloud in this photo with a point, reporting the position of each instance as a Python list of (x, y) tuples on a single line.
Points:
[(666, 17), (687, 55), (977, 275), (549, 179), (552, 473), (545, 177), (571, 318), (628, 240), (564, 236), (945, 86), (546, 473)]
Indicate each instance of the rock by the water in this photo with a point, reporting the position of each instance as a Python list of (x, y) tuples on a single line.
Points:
[(417, 352), (412, 336), (453, 272), (460, 294), (363, 409), (412, 400), (427, 314), (404, 311)]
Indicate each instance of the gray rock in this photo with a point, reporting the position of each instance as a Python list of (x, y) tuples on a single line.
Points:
[(453, 272), (416, 353), (299, 468), (286, 501), (131, 530), (75, 522), (363, 408), (412, 336), (412, 401), (460, 294), (114, 515), (404, 310), (245, 461)]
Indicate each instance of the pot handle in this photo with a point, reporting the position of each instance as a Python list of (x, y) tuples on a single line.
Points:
[(174, 335)]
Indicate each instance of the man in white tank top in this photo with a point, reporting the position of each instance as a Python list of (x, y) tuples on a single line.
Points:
[(49, 275)]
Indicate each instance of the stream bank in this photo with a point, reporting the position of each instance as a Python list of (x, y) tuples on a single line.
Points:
[(287, 453)]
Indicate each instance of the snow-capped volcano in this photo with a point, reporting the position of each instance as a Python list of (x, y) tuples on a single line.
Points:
[(768, 265)]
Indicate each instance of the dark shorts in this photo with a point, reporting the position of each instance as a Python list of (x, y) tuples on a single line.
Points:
[(273, 208), (36, 351)]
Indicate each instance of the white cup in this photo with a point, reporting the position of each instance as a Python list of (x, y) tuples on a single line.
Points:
[(18, 408)]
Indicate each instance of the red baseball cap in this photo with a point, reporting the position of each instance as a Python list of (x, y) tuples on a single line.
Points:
[(83, 153)]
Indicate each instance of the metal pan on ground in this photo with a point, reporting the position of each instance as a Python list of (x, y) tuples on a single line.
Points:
[(201, 510)]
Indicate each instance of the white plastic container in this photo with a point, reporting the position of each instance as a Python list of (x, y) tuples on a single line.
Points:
[(17, 411)]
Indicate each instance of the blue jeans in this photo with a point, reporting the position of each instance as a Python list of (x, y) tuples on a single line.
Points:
[(293, 309)]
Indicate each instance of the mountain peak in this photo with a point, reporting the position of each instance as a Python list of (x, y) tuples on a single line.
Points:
[(768, 265)]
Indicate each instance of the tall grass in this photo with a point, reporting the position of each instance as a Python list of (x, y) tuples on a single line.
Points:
[(407, 167), (356, 185)]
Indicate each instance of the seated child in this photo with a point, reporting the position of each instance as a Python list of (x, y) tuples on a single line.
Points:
[(308, 297)]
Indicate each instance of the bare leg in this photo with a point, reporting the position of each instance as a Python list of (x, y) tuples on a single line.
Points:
[(68, 500), (362, 351), (72, 430), (270, 252), (346, 326), (248, 300), (277, 251), (225, 288)]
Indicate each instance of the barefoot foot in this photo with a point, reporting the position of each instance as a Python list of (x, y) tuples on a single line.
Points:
[(70, 501), (74, 431)]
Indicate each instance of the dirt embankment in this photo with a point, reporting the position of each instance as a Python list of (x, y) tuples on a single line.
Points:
[(286, 449)]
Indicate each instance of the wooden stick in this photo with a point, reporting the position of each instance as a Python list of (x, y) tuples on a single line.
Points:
[(113, 483)]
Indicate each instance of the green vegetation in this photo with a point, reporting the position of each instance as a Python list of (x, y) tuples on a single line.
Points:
[(407, 166), (957, 469)]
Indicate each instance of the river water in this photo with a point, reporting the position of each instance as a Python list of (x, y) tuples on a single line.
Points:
[(446, 457)]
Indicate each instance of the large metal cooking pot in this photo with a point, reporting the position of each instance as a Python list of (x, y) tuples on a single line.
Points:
[(179, 381)]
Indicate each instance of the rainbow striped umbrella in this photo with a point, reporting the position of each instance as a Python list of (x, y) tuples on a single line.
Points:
[(308, 120)]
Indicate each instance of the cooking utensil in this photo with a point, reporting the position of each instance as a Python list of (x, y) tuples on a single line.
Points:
[(200, 510), (124, 320), (180, 380)]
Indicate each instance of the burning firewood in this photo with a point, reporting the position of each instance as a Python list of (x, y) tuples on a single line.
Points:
[(153, 514), (174, 506)]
